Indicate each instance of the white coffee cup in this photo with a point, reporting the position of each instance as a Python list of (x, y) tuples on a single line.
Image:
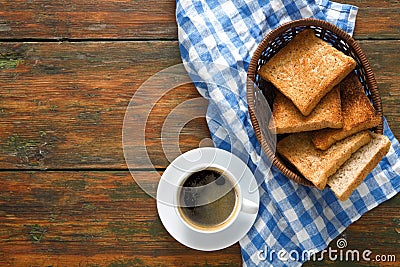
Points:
[(215, 160)]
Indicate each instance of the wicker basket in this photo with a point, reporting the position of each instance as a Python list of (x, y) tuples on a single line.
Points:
[(271, 44)]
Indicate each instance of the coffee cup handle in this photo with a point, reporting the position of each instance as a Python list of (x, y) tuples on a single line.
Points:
[(249, 206)]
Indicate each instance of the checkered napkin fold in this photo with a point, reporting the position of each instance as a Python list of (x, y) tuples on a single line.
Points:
[(217, 39)]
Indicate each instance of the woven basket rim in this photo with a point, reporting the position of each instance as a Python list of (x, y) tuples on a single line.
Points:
[(251, 74)]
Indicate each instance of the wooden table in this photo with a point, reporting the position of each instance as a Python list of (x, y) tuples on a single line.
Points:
[(68, 70)]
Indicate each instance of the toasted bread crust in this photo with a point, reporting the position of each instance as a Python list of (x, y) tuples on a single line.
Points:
[(358, 114), (317, 165), (356, 178), (288, 119), (306, 69)]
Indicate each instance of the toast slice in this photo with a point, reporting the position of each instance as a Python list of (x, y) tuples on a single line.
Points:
[(357, 168), (317, 165), (288, 119), (358, 114), (306, 69)]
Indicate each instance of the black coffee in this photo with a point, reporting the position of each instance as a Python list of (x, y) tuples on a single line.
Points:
[(207, 198)]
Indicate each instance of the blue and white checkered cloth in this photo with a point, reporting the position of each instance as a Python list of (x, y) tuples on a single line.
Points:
[(217, 40)]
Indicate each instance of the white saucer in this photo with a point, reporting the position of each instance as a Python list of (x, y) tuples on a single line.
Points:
[(169, 216)]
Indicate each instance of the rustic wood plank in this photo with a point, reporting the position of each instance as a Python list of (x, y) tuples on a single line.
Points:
[(88, 219), (59, 100), (88, 19), (126, 19), (62, 105), (102, 218), (387, 76), (375, 19)]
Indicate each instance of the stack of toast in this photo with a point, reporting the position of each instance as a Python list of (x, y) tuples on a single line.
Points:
[(321, 107)]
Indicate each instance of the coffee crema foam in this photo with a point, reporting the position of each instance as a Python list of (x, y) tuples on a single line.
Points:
[(208, 199)]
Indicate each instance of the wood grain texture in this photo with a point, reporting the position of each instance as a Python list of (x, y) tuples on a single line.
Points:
[(66, 102), (88, 219), (139, 19), (62, 105), (103, 218), (59, 19), (387, 77), (375, 19)]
